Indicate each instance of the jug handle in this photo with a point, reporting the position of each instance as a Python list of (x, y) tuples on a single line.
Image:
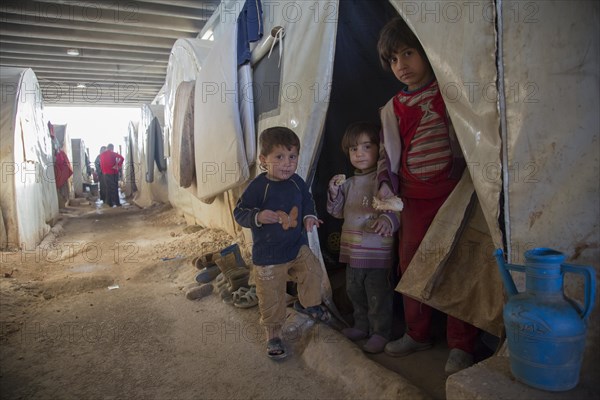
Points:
[(511, 288), (590, 285)]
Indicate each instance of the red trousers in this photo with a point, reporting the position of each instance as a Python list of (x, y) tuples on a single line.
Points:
[(416, 217)]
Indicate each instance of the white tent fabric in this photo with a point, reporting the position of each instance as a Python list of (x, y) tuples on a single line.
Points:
[(155, 191), (132, 160), (553, 125), (28, 198), (307, 68), (221, 162), (78, 161), (185, 62)]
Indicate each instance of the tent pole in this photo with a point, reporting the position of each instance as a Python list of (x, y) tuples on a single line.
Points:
[(503, 127)]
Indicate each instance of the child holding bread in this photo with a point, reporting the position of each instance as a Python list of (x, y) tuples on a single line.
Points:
[(366, 244)]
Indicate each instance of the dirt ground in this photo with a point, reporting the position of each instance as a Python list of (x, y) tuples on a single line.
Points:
[(98, 310)]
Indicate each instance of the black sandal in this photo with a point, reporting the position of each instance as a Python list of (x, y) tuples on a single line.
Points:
[(276, 349)]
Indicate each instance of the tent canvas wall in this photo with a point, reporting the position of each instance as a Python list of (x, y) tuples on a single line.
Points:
[(498, 78), (28, 198), (150, 179), (80, 163)]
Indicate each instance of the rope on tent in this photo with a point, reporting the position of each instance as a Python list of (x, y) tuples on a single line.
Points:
[(278, 38)]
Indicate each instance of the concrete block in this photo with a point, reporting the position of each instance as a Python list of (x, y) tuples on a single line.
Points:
[(491, 379)]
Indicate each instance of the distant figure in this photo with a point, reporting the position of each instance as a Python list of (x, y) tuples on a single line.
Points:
[(101, 183), (110, 164)]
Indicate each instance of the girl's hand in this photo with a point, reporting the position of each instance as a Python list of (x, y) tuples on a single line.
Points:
[(382, 226), (267, 217), (335, 183), (384, 192), (309, 222)]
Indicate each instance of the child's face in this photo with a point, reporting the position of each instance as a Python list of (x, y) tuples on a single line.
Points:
[(410, 68), (281, 163), (364, 154)]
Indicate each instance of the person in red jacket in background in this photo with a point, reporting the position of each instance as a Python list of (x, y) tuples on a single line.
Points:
[(110, 164)]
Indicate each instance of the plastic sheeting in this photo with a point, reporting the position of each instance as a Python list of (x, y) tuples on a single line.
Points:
[(28, 198), (220, 155)]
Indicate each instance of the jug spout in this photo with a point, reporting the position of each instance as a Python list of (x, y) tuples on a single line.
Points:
[(503, 267)]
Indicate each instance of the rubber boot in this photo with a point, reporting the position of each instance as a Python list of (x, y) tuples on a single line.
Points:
[(233, 267)]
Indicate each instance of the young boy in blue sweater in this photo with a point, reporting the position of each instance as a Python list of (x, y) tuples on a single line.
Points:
[(279, 209)]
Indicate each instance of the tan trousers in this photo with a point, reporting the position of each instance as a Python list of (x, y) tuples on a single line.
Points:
[(271, 281)]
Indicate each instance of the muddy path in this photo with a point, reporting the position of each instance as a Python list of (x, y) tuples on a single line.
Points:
[(98, 311)]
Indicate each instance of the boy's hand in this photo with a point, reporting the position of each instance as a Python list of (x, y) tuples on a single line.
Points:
[(335, 183), (309, 222), (267, 217), (384, 192)]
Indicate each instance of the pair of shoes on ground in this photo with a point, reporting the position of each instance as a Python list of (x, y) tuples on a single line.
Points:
[(317, 313), (374, 345)]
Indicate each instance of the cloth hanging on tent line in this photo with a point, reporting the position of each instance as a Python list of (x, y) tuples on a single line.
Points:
[(250, 29)]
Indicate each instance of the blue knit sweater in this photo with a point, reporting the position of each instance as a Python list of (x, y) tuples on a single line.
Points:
[(272, 244)]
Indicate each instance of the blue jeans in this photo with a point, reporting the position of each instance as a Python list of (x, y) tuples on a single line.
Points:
[(371, 294)]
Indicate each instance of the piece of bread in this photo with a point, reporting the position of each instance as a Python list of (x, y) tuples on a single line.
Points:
[(339, 181), (390, 204)]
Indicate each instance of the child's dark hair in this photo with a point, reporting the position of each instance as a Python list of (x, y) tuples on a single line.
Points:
[(277, 136), (392, 37), (356, 129)]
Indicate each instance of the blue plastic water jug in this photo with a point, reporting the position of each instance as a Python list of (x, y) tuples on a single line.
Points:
[(545, 329)]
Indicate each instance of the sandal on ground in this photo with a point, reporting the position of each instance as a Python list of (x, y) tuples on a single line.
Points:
[(318, 313), (276, 349), (236, 295), (248, 299)]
